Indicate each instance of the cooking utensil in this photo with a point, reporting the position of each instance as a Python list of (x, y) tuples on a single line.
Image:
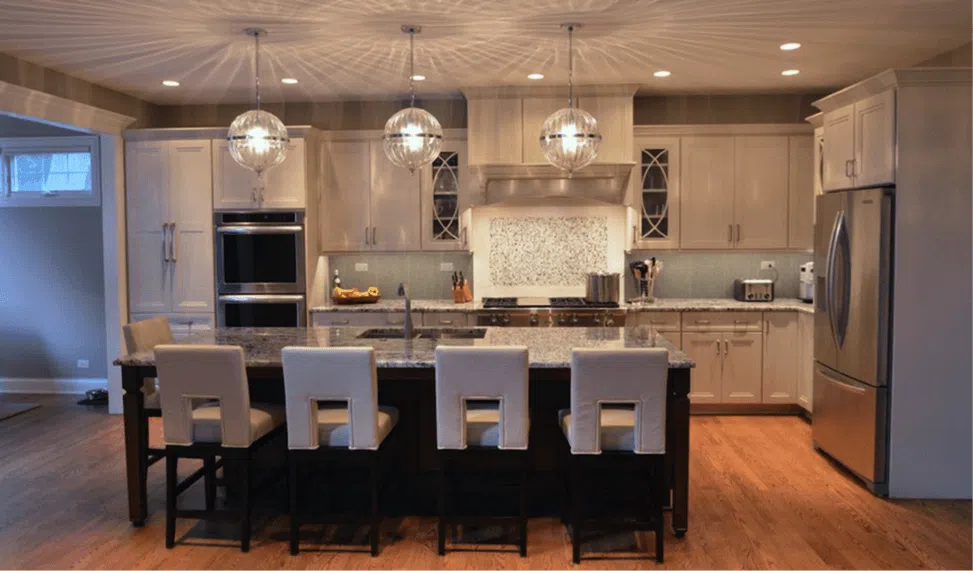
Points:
[(602, 287)]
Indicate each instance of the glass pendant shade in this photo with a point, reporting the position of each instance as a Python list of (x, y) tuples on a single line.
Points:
[(258, 140), (413, 138), (570, 139)]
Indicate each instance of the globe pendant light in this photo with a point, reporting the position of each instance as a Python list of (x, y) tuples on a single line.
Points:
[(258, 139), (570, 138), (413, 137)]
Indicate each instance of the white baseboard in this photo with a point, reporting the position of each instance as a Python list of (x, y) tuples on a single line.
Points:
[(50, 386)]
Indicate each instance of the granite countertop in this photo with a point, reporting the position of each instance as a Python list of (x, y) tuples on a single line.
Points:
[(701, 304), (549, 347)]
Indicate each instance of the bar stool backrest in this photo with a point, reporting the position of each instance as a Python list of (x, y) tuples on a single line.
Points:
[(619, 376), (321, 374), (146, 334), (481, 373), (188, 372)]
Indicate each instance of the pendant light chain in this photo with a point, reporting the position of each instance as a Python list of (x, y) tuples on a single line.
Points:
[(256, 64), (412, 68), (571, 66)]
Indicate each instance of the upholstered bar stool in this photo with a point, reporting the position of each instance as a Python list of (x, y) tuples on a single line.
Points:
[(230, 428), (333, 415), (617, 425), (144, 336), (481, 410)]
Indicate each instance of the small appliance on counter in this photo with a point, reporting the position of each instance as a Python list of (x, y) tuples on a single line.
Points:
[(806, 291), (602, 287), (753, 290)]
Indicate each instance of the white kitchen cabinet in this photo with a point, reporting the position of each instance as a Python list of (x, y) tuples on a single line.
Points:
[(658, 320), (741, 368), (181, 325), (360, 318), (445, 199), (859, 143), (706, 379), (818, 163), (805, 361), (344, 205), (800, 217), (760, 192), (706, 193), (394, 205), (444, 319), (283, 187), (654, 199), (170, 226), (781, 348), (875, 140), (497, 124)]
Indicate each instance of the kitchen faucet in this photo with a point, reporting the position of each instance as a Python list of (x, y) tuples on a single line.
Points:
[(407, 324)]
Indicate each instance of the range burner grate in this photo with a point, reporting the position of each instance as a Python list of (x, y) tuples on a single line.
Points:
[(499, 302), (581, 303)]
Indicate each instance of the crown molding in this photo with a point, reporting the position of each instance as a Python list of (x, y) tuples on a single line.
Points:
[(892, 79), (515, 91), (37, 105), (723, 129), (173, 133)]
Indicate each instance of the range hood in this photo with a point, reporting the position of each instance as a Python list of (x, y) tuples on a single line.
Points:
[(601, 182)]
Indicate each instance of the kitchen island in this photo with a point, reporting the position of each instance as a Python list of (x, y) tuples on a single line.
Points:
[(406, 375)]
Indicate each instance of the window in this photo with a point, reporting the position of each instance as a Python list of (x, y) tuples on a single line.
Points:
[(49, 171)]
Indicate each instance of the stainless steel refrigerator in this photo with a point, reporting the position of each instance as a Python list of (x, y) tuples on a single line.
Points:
[(853, 264)]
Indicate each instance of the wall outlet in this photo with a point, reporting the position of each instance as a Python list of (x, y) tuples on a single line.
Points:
[(361, 267), (82, 363), (768, 265), (446, 266)]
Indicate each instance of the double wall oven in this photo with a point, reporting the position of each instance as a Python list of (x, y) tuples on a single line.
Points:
[(260, 274)]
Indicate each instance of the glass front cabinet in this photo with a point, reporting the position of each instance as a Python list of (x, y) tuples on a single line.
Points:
[(445, 199), (653, 213)]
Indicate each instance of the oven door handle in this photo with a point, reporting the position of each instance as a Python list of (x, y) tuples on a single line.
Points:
[(261, 298), (259, 229)]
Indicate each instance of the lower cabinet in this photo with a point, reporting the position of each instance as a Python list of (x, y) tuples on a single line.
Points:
[(727, 366), (706, 380), (805, 361), (443, 319), (780, 371), (182, 324)]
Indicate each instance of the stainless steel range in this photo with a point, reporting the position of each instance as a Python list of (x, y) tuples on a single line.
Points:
[(549, 312)]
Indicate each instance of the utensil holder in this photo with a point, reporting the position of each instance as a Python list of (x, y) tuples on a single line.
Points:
[(646, 290)]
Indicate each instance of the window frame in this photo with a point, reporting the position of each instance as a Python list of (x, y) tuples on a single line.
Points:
[(19, 145)]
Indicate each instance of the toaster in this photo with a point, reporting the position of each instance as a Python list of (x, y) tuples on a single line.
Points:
[(753, 290)]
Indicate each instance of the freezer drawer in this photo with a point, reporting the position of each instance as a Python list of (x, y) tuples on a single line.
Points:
[(849, 422)]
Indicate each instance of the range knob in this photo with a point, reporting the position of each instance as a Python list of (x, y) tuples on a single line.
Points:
[(562, 320), (533, 319), (493, 320), (506, 320), (574, 319), (749, 296), (610, 322)]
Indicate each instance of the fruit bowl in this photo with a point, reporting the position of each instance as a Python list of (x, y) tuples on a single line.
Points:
[(354, 297)]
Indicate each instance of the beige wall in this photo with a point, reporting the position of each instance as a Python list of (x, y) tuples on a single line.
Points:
[(958, 57), (39, 78)]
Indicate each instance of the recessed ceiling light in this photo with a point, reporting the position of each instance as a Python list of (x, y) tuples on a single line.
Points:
[(790, 46), (289, 80), (662, 73), (790, 72), (170, 83), (535, 76), (418, 77)]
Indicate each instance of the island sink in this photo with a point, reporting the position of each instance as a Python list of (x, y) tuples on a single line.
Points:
[(386, 333)]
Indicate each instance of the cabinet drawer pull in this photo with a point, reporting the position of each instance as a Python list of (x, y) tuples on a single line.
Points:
[(702, 322), (738, 321), (340, 322), (659, 321), (396, 322), (446, 321)]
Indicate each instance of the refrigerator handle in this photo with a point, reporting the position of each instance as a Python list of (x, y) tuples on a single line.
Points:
[(829, 284), (842, 240)]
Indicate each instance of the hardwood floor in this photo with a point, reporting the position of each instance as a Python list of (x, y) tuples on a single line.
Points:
[(760, 497)]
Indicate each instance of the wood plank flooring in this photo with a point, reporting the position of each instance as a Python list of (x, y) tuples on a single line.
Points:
[(760, 497)]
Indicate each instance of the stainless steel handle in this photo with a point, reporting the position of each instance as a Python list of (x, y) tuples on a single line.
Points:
[(854, 167), (729, 229), (396, 322), (373, 236), (718, 348), (172, 242), (165, 242), (446, 321), (766, 327), (829, 268), (850, 168), (340, 322), (466, 242), (739, 321), (841, 384), (738, 233), (366, 235), (248, 229), (841, 239), (726, 348), (702, 322), (657, 322), (283, 298)]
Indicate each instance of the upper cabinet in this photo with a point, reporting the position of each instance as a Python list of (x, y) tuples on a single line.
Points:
[(504, 124), (369, 204), (760, 192), (237, 188), (800, 217), (706, 207), (859, 143), (170, 226), (654, 203)]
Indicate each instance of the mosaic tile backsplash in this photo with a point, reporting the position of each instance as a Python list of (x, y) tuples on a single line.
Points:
[(548, 251)]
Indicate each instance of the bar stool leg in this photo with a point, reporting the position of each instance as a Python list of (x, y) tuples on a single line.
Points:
[(209, 481), (376, 518), (523, 505), (576, 516), (172, 463), (293, 493), (247, 508), (662, 489), (442, 505)]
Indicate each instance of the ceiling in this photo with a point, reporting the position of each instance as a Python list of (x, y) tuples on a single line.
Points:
[(345, 49)]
